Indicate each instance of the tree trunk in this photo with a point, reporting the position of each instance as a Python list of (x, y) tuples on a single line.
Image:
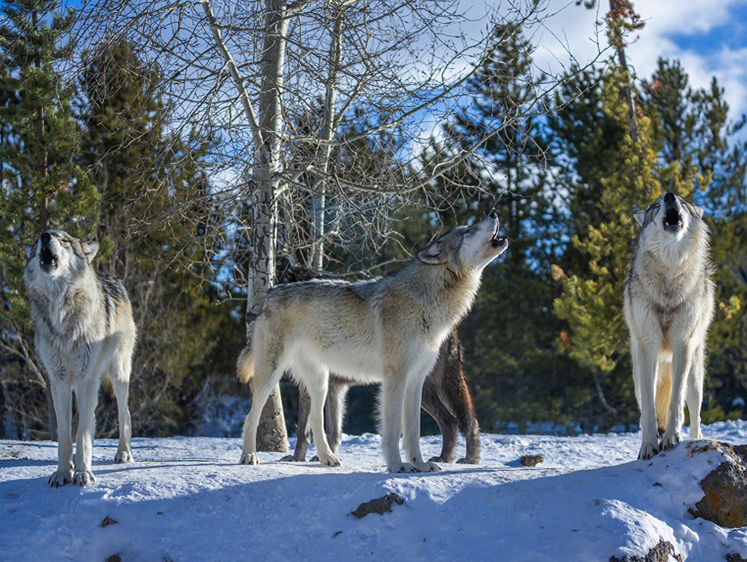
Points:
[(272, 434), (319, 203)]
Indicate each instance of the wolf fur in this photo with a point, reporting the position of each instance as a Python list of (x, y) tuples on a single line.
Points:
[(669, 303), (386, 330), (83, 331), (446, 397)]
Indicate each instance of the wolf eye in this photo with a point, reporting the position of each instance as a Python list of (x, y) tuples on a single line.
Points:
[(65, 241)]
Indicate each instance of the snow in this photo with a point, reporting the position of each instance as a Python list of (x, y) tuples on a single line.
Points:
[(187, 498)]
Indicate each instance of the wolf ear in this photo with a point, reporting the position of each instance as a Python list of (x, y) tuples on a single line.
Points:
[(639, 217), (699, 211), (432, 254), (89, 250), (30, 250)]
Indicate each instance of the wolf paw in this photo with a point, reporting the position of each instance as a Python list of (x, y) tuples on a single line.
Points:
[(291, 458), (438, 459), (331, 460), (427, 467), (402, 468), (670, 442), (83, 478), (60, 478), (123, 457), (468, 460), (249, 458), (647, 451)]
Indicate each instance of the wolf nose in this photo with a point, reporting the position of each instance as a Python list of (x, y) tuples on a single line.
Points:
[(46, 237), (669, 198)]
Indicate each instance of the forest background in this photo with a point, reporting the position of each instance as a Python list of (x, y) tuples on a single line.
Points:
[(95, 138)]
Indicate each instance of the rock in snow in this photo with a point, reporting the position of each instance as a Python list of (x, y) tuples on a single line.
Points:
[(725, 488)]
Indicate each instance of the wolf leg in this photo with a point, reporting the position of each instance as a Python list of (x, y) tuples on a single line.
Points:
[(682, 361), (62, 396), (411, 442), (119, 374), (86, 394), (303, 437), (265, 379), (447, 423), (334, 411), (392, 403), (318, 381), (645, 369), (694, 391)]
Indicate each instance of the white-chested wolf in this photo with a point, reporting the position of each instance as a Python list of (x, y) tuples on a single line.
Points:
[(83, 331), (669, 301), (446, 397), (386, 330)]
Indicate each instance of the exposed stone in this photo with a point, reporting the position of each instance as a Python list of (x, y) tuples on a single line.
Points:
[(531, 460), (380, 506), (725, 488), (659, 553), (108, 521)]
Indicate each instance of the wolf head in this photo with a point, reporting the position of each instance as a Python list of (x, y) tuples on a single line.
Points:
[(671, 225), (56, 254), (466, 247)]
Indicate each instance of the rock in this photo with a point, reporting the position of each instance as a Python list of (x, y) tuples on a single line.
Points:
[(380, 506), (108, 521), (725, 488), (660, 553), (531, 460)]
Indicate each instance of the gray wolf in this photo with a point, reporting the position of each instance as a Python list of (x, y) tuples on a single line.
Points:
[(446, 398), (669, 303), (387, 330), (83, 332)]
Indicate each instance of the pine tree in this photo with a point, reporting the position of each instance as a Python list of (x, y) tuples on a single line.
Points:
[(510, 357), (591, 302), (155, 214), (41, 184)]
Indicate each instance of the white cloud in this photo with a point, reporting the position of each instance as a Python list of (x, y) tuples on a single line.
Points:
[(576, 33)]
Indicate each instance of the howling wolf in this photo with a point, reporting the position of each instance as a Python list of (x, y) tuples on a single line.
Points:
[(386, 330), (83, 330), (669, 300)]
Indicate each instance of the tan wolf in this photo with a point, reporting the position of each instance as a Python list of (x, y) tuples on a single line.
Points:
[(446, 397), (386, 330), (83, 331), (669, 301)]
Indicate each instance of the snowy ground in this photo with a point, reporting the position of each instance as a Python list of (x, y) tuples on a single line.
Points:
[(189, 499)]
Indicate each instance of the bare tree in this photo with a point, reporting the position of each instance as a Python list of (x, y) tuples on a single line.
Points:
[(254, 74)]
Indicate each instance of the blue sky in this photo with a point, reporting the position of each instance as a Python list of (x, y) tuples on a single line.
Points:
[(709, 38)]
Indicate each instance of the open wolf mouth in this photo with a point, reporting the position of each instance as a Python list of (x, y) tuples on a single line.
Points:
[(497, 240), (48, 259), (672, 220)]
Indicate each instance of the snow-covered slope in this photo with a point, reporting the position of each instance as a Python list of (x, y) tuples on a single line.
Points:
[(189, 499)]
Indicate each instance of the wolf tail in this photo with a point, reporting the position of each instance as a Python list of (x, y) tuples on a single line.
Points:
[(245, 365)]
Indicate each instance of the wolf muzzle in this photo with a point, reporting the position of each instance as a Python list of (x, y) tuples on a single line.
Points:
[(672, 214), (47, 258)]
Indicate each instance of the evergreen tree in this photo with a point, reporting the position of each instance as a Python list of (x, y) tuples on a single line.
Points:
[(591, 302), (511, 361), (41, 184), (155, 211)]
